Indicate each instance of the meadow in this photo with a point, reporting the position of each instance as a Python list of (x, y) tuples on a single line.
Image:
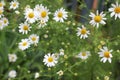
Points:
[(42, 40)]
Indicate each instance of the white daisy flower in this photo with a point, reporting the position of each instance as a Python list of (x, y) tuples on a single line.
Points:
[(30, 15), (12, 74), (82, 32), (97, 19), (60, 73), (60, 15), (38, 7), (42, 24), (24, 28), (17, 12), (61, 52), (12, 57), (34, 39), (43, 14), (37, 75), (83, 55), (45, 36), (105, 54), (27, 7), (50, 60), (24, 44), (56, 55), (115, 10), (1, 12), (5, 21), (14, 4), (106, 78), (2, 4)]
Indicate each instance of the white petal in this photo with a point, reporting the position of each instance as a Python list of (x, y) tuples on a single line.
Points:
[(104, 18), (105, 48), (113, 5), (97, 25), (110, 50), (117, 4), (109, 59), (115, 16), (92, 14), (102, 59), (112, 14), (97, 12), (110, 55), (102, 22), (119, 15), (111, 9), (105, 59)]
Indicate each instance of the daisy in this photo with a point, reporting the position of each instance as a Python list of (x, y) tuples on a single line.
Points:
[(37, 75), (61, 52), (12, 74), (50, 60), (82, 32), (14, 4), (106, 78), (5, 21), (42, 23), (17, 12), (30, 15), (115, 10), (2, 4), (43, 14), (1, 25), (60, 15), (105, 54), (38, 7), (56, 55), (1, 12), (34, 39), (83, 55), (97, 19), (45, 36), (24, 28), (24, 44), (12, 57), (60, 73)]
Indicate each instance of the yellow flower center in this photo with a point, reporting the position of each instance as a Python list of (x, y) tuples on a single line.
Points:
[(25, 27), (14, 4), (5, 21), (83, 54), (107, 54), (83, 31), (1, 11), (1, 4), (50, 59), (97, 18), (24, 43), (33, 38), (60, 14), (43, 14), (117, 10), (31, 15), (12, 57)]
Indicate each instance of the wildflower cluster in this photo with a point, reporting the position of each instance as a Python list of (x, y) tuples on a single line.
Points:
[(49, 43)]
